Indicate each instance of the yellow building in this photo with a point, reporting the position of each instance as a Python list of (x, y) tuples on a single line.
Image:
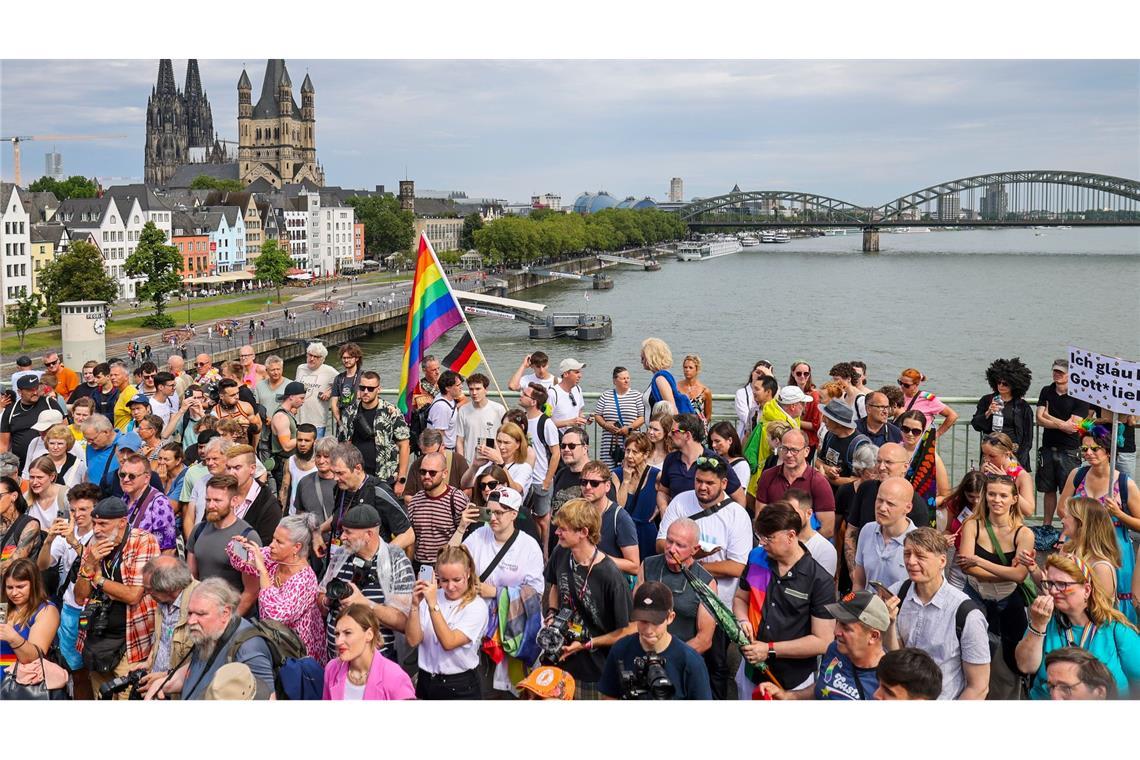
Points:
[(47, 239)]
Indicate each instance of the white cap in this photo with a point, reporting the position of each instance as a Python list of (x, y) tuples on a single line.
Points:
[(47, 418), (791, 394), (568, 365)]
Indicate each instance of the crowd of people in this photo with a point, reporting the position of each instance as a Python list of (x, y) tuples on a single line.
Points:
[(225, 532)]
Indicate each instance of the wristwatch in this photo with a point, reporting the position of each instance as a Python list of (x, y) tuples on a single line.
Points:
[(771, 649), (402, 480), (434, 608)]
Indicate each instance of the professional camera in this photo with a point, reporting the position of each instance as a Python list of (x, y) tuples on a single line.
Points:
[(129, 681), (559, 633), (98, 612), (363, 575), (648, 679)]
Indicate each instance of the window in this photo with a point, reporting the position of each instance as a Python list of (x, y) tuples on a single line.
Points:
[(113, 220)]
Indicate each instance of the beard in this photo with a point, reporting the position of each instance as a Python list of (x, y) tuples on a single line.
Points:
[(304, 457), (204, 642)]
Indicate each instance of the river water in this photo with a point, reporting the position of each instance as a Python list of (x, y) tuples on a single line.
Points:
[(946, 302)]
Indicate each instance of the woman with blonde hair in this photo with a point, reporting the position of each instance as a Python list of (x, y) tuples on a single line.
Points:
[(697, 392), (657, 358), (69, 460), (1075, 610), (448, 627), (1091, 536), (80, 411), (509, 452), (44, 495)]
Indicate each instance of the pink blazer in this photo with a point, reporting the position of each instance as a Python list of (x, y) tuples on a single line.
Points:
[(386, 680)]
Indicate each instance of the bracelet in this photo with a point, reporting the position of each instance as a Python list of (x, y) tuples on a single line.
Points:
[(25, 641), (588, 645), (1035, 632)]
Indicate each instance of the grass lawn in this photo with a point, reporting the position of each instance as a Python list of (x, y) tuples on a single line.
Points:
[(121, 329)]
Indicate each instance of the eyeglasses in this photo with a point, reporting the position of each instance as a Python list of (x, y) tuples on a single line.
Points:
[(129, 475), (766, 540), (1059, 586), (369, 388), (710, 463), (496, 513), (1066, 689), (878, 406), (570, 446), (246, 356), (431, 473), (489, 484), (910, 430), (905, 384), (790, 449), (591, 482), (1087, 449)]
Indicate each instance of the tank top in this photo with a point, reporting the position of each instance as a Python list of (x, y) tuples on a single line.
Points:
[(7, 655), (296, 474), (236, 414), (994, 590)]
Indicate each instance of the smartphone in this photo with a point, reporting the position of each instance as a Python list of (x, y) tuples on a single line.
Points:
[(3, 612), (883, 590), (485, 513), (489, 442), (64, 512), (240, 551), (427, 574)]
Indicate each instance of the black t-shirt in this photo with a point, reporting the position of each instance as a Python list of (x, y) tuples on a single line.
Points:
[(844, 499), (685, 669), (344, 389), (83, 390), (600, 608), (566, 486), (363, 438), (792, 601), (105, 403), (1129, 445), (835, 451), (393, 518), (862, 509), (1061, 407), (18, 420)]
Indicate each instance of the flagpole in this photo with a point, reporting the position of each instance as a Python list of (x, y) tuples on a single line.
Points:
[(463, 316)]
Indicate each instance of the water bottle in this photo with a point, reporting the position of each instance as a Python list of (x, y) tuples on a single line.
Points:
[(999, 416)]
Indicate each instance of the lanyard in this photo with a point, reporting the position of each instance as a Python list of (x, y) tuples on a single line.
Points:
[(581, 594), (1087, 635)]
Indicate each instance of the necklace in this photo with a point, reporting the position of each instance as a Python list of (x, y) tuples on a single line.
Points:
[(359, 679)]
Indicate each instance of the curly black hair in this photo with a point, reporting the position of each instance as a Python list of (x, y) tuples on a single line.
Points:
[(1014, 372)]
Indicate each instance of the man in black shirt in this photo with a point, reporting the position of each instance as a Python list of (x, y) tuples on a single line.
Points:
[(838, 445), (891, 462), (1058, 414), (379, 431), (17, 422), (586, 583), (354, 486)]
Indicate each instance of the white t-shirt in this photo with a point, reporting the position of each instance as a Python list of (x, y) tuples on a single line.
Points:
[(823, 552), (545, 382), (478, 424), (471, 621), (541, 453), (520, 472), (565, 405), (352, 692), (164, 408), (442, 417), (62, 556), (729, 529), (314, 411)]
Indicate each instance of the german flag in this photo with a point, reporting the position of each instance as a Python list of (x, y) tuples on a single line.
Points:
[(464, 358)]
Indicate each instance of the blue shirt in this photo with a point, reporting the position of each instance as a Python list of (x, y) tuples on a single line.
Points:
[(254, 653), (678, 478), (1116, 645), (100, 471), (838, 678), (684, 667)]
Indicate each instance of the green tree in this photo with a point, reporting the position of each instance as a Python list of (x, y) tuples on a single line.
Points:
[(273, 265), (25, 315), (471, 223), (206, 182), (387, 227), (161, 266), (72, 187), (77, 275)]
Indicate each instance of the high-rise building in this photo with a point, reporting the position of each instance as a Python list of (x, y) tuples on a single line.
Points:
[(676, 190), (53, 165), (277, 139), (949, 207), (995, 202)]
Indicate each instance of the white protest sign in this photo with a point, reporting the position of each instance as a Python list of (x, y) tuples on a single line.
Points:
[(1107, 381)]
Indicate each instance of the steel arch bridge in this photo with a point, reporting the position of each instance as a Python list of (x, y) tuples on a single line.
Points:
[(1046, 196)]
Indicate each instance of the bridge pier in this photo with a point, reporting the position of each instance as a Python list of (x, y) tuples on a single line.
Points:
[(870, 240)]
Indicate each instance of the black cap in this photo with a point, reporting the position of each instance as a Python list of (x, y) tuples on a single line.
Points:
[(110, 508), (27, 382), (652, 602), (361, 517), (294, 388)]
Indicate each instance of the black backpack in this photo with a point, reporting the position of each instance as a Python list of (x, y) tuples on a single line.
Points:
[(418, 423), (296, 675), (965, 607)]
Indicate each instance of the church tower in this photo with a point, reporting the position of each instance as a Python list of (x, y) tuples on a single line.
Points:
[(199, 120), (277, 138), (167, 141)]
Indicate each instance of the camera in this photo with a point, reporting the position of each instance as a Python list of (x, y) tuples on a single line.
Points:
[(647, 680), (129, 681), (553, 637), (338, 590), (98, 612)]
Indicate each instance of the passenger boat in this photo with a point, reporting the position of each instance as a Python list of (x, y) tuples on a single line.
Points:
[(708, 249), (749, 241), (781, 237)]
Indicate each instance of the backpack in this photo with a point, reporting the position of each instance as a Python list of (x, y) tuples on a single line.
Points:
[(965, 607), (418, 423), (296, 675)]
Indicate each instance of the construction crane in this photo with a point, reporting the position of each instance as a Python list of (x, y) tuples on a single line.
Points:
[(16, 140)]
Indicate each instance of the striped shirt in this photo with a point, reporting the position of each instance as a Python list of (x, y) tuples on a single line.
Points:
[(434, 521), (632, 405)]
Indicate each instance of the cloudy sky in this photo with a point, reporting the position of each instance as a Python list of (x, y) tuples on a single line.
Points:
[(862, 131)]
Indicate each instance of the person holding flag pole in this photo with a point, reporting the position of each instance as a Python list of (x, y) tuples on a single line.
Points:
[(432, 311)]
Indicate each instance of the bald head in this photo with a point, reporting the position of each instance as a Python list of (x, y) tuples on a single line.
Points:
[(175, 363), (892, 461), (893, 501)]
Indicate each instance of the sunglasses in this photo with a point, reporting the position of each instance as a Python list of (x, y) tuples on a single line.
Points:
[(911, 431), (904, 384), (489, 484), (201, 364), (591, 482), (431, 473), (803, 374), (710, 463), (51, 363), (369, 388), (1087, 449), (129, 475), (570, 446)]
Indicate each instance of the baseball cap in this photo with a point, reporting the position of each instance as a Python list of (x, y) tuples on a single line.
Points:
[(509, 498), (294, 388), (47, 418), (652, 602), (791, 394), (110, 508), (568, 365), (548, 683), (361, 517), (1061, 364), (27, 382), (234, 681), (139, 398), (862, 607)]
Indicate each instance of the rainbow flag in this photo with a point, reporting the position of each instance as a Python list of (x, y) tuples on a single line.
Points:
[(432, 311)]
